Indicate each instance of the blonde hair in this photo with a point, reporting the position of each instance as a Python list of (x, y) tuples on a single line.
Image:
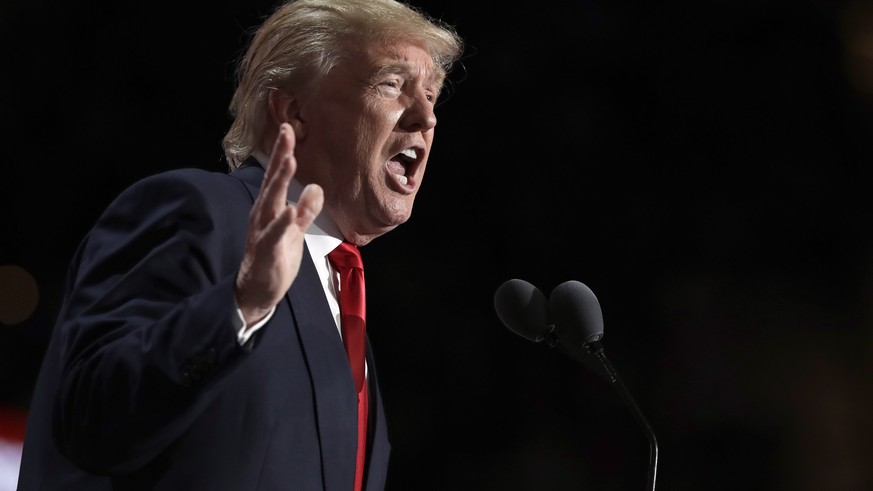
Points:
[(303, 39)]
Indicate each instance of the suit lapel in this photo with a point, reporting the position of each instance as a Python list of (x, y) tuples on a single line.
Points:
[(335, 400), (378, 447)]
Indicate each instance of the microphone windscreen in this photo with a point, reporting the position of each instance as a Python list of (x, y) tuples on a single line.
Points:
[(523, 308), (576, 312)]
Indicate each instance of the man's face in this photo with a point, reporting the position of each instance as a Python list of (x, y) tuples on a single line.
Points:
[(368, 130)]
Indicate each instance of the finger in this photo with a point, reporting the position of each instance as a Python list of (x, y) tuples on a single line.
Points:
[(282, 164), (274, 190), (309, 205), (274, 232), (283, 144)]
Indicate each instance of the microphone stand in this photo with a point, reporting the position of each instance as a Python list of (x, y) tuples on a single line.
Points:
[(595, 348)]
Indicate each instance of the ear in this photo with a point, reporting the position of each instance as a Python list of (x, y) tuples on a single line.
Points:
[(285, 107)]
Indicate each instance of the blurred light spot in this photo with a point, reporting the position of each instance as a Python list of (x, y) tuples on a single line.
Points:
[(18, 295), (856, 29)]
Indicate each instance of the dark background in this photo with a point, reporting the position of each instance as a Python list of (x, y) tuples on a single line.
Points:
[(703, 166)]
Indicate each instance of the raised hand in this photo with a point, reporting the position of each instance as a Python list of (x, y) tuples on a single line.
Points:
[(274, 246)]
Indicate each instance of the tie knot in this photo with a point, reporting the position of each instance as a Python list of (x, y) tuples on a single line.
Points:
[(346, 255)]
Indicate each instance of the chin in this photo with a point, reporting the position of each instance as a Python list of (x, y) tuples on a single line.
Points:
[(385, 228), (393, 216)]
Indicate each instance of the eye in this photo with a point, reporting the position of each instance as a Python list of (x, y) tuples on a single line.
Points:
[(431, 93), (389, 87)]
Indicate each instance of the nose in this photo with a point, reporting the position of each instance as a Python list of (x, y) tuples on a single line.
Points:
[(419, 114)]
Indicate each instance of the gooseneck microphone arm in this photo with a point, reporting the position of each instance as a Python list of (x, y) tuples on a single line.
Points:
[(571, 320), (596, 349)]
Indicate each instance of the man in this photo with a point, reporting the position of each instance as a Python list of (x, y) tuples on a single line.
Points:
[(199, 344)]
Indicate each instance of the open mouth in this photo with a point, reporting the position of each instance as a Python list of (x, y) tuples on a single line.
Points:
[(403, 165)]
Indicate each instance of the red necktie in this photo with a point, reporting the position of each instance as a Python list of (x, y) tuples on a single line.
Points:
[(347, 260)]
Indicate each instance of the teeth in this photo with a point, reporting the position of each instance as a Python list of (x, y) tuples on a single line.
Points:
[(403, 180), (410, 152)]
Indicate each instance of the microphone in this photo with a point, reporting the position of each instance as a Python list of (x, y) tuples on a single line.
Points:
[(577, 310), (524, 309), (578, 324)]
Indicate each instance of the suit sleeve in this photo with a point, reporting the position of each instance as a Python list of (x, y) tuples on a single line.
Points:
[(147, 322)]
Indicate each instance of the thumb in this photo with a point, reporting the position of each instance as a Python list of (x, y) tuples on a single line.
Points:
[(309, 205)]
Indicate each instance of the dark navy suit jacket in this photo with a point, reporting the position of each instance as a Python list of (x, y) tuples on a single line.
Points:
[(144, 384)]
